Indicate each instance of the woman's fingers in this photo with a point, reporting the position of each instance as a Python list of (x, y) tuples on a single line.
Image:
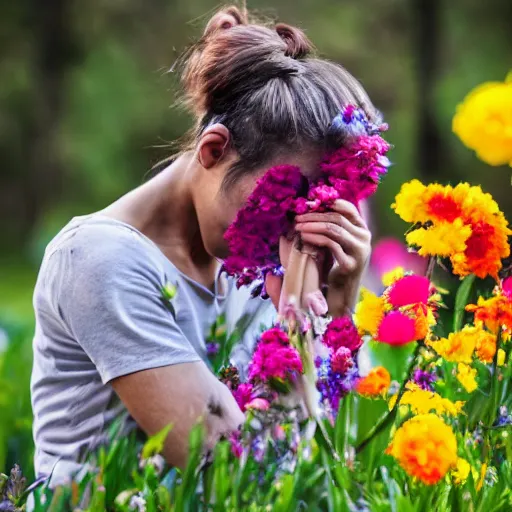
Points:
[(346, 262), (339, 208)]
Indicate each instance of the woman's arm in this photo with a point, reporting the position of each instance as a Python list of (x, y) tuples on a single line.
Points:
[(180, 395)]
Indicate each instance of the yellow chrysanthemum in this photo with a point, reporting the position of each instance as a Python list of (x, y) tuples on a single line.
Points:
[(410, 203), (393, 275), (483, 122), (467, 377), (501, 357), (422, 401), (425, 447), (443, 239), (459, 346), (461, 472), (369, 313)]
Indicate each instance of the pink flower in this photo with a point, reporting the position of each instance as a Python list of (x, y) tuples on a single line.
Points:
[(341, 332), (259, 404), (396, 329), (275, 334), (236, 444), (243, 395), (506, 286), (273, 360), (390, 253), (410, 289), (341, 360)]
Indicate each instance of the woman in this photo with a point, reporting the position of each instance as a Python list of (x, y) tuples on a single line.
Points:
[(105, 341)]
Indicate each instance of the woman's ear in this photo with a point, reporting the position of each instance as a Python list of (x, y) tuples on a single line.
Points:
[(212, 145)]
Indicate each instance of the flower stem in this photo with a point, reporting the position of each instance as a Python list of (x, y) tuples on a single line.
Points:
[(391, 415)]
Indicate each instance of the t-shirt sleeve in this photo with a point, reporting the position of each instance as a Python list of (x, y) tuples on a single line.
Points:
[(113, 306)]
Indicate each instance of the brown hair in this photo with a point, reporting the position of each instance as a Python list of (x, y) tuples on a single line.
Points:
[(264, 84)]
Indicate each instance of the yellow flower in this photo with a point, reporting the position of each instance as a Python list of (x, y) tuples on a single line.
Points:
[(425, 447), (467, 377), (461, 471), (410, 203), (369, 312), (483, 471), (501, 357), (459, 346), (483, 122), (422, 401), (393, 275), (442, 239), (375, 383)]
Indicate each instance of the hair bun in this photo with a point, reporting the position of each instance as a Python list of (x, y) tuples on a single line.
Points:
[(298, 45), (225, 19)]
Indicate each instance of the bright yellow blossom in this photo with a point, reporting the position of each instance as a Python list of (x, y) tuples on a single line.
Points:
[(461, 471), (443, 239), (467, 377), (393, 275), (422, 401), (501, 357), (483, 122), (410, 203), (459, 346), (425, 447), (369, 313)]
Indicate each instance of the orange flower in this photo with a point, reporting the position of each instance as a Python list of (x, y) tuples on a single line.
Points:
[(375, 383), (486, 346), (495, 313), (425, 447)]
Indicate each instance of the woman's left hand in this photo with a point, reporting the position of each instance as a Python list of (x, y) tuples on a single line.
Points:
[(345, 234)]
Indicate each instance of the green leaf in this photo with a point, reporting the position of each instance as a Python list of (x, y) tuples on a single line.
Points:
[(461, 301), (393, 358), (155, 444)]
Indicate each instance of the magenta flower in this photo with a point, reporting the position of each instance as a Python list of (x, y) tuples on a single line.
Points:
[(396, 328), (341, 360), (275, 334), (243, 395), (506, 286), (411, 289), (341, 332), (274, 360)]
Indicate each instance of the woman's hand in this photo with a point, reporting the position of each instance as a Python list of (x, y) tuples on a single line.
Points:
[(345, 234)]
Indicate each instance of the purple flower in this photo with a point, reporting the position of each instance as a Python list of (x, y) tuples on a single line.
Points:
[(212, 349), (424, 379)]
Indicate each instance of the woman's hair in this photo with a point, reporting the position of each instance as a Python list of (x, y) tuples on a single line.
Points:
[(264, 84)]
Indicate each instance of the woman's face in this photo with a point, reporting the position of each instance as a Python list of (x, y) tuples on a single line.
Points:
[(217, 206)]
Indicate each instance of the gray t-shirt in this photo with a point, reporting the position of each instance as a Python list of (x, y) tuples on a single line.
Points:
[(100, 315)]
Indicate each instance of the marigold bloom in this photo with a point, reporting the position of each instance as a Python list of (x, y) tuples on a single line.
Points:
[(495, 313), (375, 383), (483, 122), (422, 401), (462, 223), (443, 239), (459, 346), (425, 447), (486, 346), (461, 472), (369, 312), (467, 377)]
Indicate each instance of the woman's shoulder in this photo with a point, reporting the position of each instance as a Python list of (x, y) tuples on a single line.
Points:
[(95, 244)]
